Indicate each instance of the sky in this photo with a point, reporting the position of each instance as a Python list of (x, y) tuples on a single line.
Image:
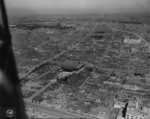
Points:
[(77, 6)]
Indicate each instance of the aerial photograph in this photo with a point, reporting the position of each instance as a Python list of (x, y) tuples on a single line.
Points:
[(82, 59)]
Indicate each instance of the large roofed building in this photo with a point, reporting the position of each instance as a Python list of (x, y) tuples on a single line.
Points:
[(71, 65)]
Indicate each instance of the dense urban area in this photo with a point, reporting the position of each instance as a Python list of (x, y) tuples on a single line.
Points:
[(84, 66)]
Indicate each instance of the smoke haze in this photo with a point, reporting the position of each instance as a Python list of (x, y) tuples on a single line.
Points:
[(77, 6)]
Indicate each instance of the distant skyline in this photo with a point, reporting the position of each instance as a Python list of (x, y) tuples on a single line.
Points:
[(76, 6)]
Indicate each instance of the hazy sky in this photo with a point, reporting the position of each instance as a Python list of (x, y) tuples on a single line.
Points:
[(78, 6)]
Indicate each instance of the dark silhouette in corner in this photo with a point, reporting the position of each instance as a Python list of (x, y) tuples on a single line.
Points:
[(11, 102)]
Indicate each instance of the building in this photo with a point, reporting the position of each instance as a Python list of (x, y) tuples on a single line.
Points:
[(134, 50), (113, 76), (132, 104), (130, 87), (32, 85), (146, 107), (68, 77), (120, 114), (122, 96), (119, 104), (112, 83), (131, 41), (70, 65), (95, 76), (134, 114), (133, 111), (63, 76)]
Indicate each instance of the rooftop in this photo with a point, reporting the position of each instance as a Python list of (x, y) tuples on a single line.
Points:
[(71, 65), (135, 112), (120, 114), (64, 74)]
